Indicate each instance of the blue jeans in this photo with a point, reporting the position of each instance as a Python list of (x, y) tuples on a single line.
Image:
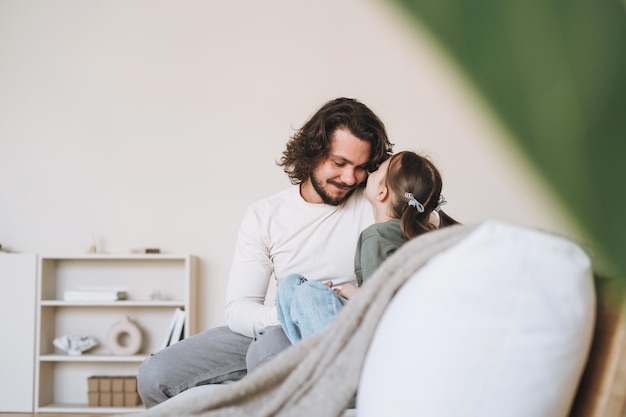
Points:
[(305, 307)]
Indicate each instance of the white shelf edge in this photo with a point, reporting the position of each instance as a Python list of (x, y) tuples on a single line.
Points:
[(114, 256), (91, 358), (121, 303), (84, 408)]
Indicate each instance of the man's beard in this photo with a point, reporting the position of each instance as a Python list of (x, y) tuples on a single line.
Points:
[(327, 198)]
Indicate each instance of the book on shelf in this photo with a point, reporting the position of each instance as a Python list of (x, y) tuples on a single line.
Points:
[(94, 294), (176, 330)]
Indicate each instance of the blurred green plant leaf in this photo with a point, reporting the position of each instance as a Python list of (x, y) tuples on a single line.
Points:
[(554, 72)]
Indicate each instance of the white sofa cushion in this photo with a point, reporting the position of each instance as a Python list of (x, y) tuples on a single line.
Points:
[(498, 325)]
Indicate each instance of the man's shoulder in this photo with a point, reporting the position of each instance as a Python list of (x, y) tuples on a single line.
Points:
[(357, 201), (278, 198)]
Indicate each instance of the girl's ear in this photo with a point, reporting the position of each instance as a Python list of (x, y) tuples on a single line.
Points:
[(383, 194), (434, 219)]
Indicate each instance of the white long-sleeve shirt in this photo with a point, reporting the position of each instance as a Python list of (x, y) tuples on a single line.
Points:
[(281, 235)]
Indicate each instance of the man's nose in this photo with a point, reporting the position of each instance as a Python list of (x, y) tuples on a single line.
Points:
[(348, 176)]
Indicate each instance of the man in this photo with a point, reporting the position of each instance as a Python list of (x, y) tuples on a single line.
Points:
[(311, 229)]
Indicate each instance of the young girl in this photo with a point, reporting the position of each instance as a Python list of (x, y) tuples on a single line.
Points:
[(405, 194)]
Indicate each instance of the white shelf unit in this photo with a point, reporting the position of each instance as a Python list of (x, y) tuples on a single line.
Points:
[(61, 379)]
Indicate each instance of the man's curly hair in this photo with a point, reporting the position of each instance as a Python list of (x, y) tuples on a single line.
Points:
[(311, 143)]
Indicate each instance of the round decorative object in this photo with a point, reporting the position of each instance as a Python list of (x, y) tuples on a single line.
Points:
[(124, 337)]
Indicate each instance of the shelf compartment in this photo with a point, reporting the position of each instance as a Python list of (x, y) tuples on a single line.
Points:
[(64, 388), (139, 276), (67, 320)]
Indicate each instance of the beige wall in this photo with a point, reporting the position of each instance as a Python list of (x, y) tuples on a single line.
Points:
[(155, 123)]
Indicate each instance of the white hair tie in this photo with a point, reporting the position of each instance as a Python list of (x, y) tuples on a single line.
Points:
[(413, 202)]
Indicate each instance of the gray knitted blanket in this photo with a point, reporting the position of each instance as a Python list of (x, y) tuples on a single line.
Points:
[(318, 376)]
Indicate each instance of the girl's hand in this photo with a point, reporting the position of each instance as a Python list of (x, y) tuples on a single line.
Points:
[(347, 290)]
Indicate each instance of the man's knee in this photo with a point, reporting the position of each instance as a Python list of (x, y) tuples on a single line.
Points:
[(149, 382), (268, 343)]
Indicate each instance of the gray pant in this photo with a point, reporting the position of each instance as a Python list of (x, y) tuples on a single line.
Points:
[(212, 357)]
